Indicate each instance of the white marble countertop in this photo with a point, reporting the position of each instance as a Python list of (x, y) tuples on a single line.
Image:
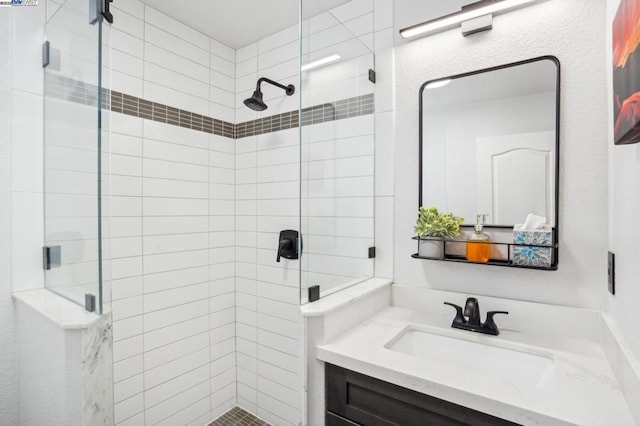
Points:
[(580, 388), (57, 309)]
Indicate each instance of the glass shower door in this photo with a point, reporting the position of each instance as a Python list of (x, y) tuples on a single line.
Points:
[(72, 153), (337, 144)]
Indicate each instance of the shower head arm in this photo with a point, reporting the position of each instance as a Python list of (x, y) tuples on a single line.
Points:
[(290, 89)]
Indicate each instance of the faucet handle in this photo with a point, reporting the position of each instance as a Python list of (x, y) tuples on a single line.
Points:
[(459, 319), (490, 324), (472, 311)]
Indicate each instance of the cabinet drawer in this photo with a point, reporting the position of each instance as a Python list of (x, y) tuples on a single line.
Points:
[(367, 401), (335, 420)]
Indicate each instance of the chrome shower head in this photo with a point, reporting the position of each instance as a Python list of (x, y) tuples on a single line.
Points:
[(256, 103)]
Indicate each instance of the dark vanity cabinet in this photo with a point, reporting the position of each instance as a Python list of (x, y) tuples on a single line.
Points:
[(355, 399)]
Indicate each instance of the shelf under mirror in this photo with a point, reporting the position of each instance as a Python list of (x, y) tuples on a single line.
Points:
[(502, 253)]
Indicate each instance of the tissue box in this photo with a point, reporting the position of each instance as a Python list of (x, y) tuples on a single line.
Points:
[(532, 255)]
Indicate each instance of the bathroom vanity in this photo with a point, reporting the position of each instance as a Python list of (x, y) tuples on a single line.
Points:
[(354, 397), (406, 365)]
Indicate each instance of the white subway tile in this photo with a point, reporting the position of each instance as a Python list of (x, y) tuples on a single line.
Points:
[(126, 287), (176, 333), (126, 328), (222, 97), (127, 388), (223, 348), (180, 81), (175, 386), (175, 98), (175, 243), (172, 369), (132, 7), (222, 399), (176, 44), (172, 170), (174, 207), (127, 43), (164, 411), (246, 52), (169, 298), (175, 279), (166, 225), (126, 308), (173, 261), (127, 368), (162, 57), (126, 267), (127, 348), (126, 125), (223, 364), (166, 317), (129, 24), (268, 405), (279, 375)]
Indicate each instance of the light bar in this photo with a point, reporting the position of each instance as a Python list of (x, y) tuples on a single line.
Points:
[(320, 62), (449, 21)]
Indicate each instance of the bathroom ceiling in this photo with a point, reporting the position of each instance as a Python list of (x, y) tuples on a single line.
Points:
[(240, 22)]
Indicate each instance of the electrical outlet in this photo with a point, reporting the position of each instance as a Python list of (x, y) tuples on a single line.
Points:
[(611, 272)]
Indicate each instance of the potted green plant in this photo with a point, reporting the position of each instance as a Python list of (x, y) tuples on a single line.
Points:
[(433, 227)]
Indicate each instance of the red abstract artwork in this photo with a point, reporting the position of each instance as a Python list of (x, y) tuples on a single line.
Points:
[(626, 73)]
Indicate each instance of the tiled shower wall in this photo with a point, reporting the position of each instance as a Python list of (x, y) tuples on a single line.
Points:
[(195, 216), (172, 225)]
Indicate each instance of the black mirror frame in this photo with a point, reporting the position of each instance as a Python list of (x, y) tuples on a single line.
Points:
[(557, 142)]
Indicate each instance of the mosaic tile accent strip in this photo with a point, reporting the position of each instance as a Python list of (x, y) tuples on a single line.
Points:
[(138, 107), (238, 417), (345, 108), (71, 90)]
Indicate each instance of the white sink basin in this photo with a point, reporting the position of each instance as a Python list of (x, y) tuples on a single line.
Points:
[(479, 357)]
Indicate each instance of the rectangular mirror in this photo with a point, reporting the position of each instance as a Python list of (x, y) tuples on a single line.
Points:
[(489, 143)]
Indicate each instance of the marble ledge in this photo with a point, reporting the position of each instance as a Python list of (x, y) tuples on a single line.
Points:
[(344, 297), (55, 308)]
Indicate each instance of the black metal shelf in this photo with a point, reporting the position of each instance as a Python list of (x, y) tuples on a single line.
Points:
[(508, 262)]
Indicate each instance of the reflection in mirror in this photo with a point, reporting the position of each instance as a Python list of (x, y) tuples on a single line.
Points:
[(489, 143)]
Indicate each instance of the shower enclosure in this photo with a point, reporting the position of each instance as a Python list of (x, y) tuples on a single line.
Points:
[(165, 195), (75, 58)]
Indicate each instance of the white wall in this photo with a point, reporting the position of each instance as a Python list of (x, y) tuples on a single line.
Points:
[(21, 208), (572, 31), (624, 207), (8, 356)]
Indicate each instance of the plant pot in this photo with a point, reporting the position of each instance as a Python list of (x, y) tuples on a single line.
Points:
[(431, 247)]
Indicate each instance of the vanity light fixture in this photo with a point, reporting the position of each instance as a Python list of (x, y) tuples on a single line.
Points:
[(320, 62), (473, 11), (438, 83)]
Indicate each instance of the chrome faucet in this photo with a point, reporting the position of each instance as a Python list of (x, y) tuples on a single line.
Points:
[(469, 319)]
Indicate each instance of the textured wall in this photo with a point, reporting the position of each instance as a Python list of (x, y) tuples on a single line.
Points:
[(624, 205), (572, 31), (8, 367)]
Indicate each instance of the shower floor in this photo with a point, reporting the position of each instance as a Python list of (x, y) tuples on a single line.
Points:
[(238, 417)]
